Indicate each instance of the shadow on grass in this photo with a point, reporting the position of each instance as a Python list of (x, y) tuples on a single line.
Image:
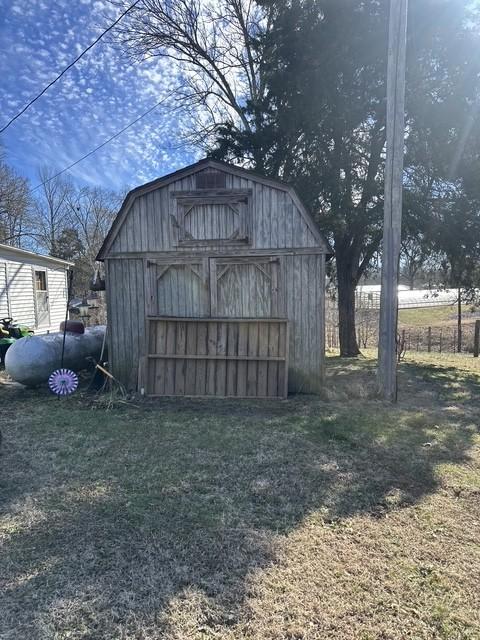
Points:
[(444, 385), (113, 520)]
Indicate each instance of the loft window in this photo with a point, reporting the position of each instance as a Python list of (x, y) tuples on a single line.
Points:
[(211, 179), (212, 218)]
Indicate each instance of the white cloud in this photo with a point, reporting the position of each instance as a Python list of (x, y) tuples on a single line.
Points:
[(99, 96)]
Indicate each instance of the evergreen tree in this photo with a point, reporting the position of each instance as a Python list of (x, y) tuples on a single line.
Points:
[(321, 125)]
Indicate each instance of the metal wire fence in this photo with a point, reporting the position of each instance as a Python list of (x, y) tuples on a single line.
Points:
[(438, 339)]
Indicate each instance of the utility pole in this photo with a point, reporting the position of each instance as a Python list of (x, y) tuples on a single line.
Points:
[(392, 226)]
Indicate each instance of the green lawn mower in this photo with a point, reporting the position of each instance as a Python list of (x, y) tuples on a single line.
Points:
[(10, 332)]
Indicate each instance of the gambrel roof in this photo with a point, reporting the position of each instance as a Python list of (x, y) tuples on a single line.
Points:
[(192, 169)]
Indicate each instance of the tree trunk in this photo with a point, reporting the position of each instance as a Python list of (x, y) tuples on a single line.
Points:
[(346, 311), (459, 321)]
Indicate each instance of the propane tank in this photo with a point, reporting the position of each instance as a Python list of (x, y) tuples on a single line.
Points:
[(32, 359)]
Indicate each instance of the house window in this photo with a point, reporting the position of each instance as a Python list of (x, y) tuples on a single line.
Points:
[(209, 219), (40, 281)]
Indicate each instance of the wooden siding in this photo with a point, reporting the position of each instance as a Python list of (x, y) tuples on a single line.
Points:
[(238, 287), (301, 280), (126, 318), (151, 224), (222, 358), (210, 221), (178, 288), (305, 309), (243, 248), (245, 287)]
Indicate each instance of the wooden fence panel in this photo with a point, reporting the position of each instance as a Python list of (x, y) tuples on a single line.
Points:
[(222, 357)]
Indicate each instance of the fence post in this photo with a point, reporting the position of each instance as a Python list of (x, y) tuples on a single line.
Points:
[(476, 341), (429, 339), (441, 334)]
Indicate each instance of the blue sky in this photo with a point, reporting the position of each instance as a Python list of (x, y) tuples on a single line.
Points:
[(100, 95)]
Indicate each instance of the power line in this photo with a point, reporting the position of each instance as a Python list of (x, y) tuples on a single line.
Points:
[(29, 104), (115, 135)]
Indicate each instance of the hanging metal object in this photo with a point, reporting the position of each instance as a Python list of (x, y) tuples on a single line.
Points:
[(97, 283)]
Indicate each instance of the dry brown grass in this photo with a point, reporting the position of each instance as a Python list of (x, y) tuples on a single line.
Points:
[(306, 519)]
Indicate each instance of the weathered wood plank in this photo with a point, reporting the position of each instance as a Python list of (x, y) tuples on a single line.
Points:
[(321, 312), (232, 352), (221, 371), (224, 358), (171, 329), (263, 343), (213, 288), (218, 251), (151, 365), (252, 366), (242, 351), (282, 385), (273, 351), (216, 358), (215, 320), (201, 365), (210, 195), (211, 364), (180, 349), (191, 368), (160, 335)]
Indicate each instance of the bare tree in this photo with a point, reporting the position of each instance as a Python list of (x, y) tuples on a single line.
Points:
[(50, 211), (14, 206), (213, 45), (90, 213)]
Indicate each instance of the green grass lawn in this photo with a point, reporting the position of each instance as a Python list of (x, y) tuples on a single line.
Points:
[(435, 316), (312, 518)]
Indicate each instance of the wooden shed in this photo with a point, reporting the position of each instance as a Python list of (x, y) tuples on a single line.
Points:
[(33, 288), (215, 281)]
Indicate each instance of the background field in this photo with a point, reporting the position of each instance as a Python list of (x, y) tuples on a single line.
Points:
[(436, 316)]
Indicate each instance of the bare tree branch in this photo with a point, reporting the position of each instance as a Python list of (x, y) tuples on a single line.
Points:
[(14, 206), (212, 46)]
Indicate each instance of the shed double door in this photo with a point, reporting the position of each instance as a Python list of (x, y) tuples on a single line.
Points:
[(213, 329), (230, 287)]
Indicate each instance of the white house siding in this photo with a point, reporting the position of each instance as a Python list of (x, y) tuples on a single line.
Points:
[(21, 293), (4, 311), (57, 290), (17, 293)]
